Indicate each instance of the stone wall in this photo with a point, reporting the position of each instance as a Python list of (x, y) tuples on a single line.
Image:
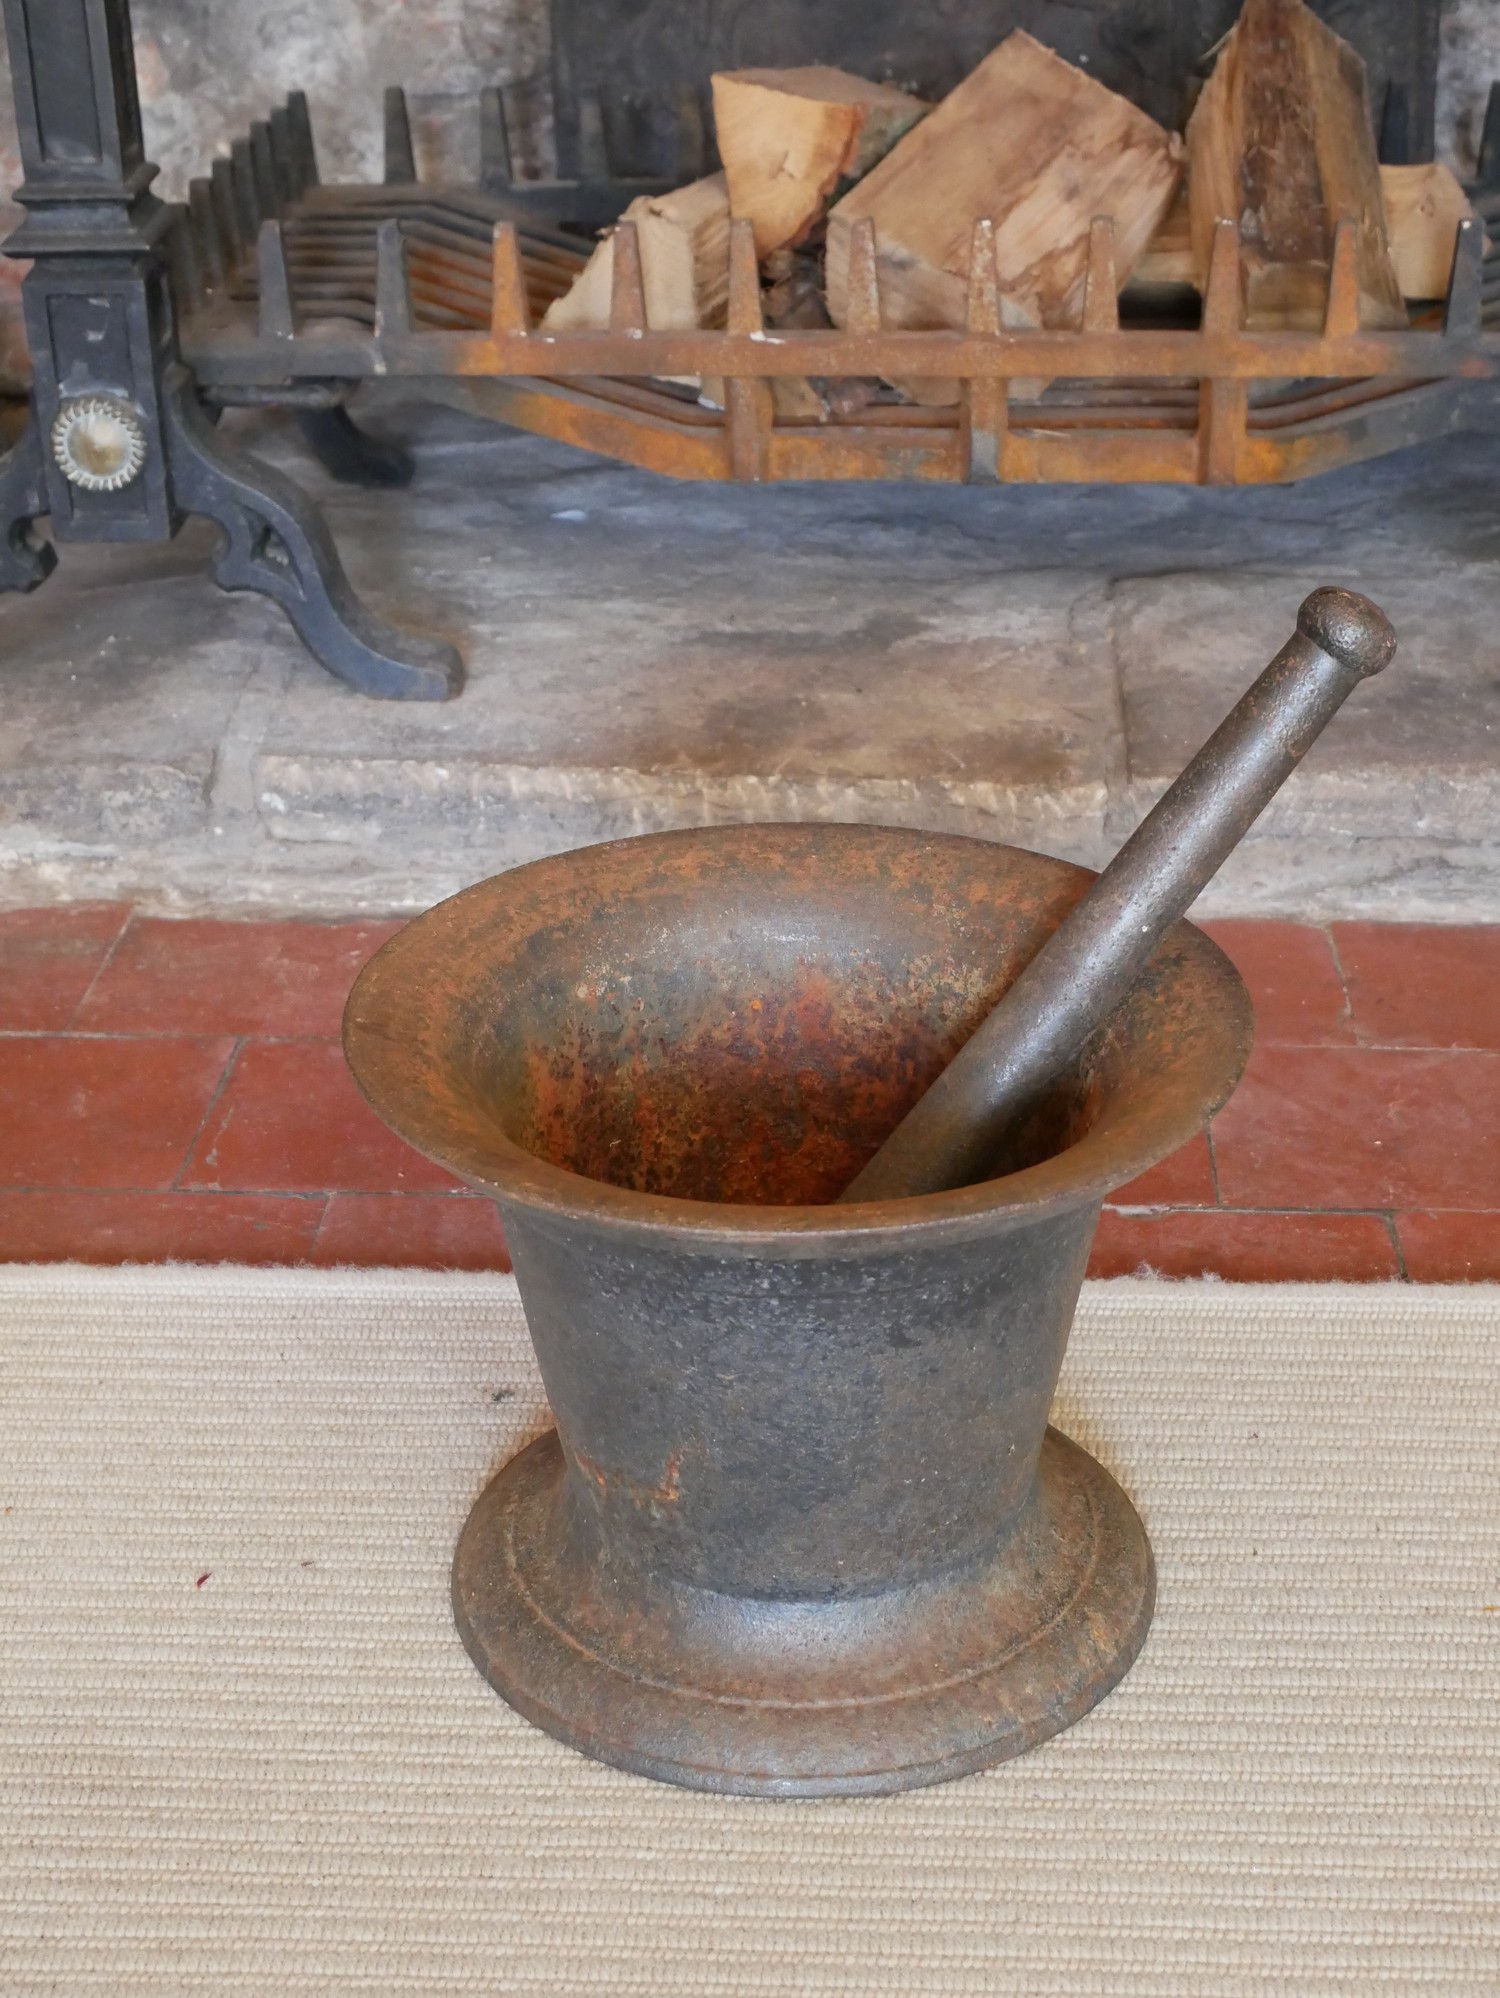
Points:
[(208, 67), (1470, 61)]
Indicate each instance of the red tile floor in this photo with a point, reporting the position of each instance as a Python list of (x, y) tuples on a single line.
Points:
[(176, 1090)]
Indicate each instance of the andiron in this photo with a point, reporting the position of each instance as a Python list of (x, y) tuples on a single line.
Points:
[(120, 445)]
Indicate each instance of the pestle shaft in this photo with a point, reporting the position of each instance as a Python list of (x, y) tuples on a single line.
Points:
[(1089, 964)]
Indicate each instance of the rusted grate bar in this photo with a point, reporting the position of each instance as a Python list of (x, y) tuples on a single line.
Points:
[(453, 283)]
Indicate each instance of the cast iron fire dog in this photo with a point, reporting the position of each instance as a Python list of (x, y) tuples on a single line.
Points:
[(802, 1528)]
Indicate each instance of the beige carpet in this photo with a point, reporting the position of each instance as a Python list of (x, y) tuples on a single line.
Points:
[(241, 1749)]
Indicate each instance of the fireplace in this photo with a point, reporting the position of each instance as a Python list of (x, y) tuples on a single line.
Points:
[(623, 75), (145, 319)]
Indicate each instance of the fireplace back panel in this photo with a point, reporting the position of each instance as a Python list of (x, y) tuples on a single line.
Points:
[(639, 57)]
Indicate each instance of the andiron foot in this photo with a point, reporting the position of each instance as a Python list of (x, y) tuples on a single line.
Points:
[(25, 562), (351, 455), (277, 542), (118, 446)]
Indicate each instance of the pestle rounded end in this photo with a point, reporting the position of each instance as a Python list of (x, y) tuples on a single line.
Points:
[(1349, 628)]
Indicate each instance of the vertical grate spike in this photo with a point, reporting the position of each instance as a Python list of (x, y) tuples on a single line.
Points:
[(1341, 317), (1223, 404), (184, 264), (284, 156), (496, 170), (745, 314), (263, 170), (226, 209), (692, 136), (277, 318), (748, 405), (246, 205), (1487, 177), (1223, 308), (393, 303), (627, 298), (400, 159), (510, 310), (983, 316), (986, 397), (593, 151), (1463, 314), (1101, 282), (300, 119), (208, 240), (863, 311)]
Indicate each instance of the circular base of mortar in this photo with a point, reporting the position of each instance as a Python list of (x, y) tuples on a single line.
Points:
[(796, 1699)]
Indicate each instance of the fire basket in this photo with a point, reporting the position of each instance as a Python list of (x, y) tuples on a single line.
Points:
[(268, 287)]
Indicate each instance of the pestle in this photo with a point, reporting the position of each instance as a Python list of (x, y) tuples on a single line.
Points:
[(1090, 962)]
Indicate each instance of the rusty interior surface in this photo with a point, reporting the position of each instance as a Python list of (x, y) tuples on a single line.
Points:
[(760, 1060), (742, 1016)]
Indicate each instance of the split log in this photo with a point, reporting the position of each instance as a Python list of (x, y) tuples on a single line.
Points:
[(794, 291), (793, 299), (684, 251), (944, 392), (1423, 208), (790, 137), (1167, 259), (1031, 143), (1281, 142)]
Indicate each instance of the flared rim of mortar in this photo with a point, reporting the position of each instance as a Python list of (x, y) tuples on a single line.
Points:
[(400, 1011)]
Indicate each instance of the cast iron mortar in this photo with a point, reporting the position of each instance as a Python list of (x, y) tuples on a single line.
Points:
[(802, 1528), (788, 1538)]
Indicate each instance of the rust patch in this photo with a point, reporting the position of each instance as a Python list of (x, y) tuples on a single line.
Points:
[(607, 1482)]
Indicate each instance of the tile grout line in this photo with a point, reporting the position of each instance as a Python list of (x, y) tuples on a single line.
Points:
[(1263, 1045), (1397, 1245), (212, 1105), (1295, 1213), (103, 965), (465, 1193), (1343, 978), (1358, 1046), (309, 1254), (180, 1192), (169, 1034)]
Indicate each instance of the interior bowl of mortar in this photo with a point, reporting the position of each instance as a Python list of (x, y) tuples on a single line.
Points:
[(802, 1529), (688, 1029)]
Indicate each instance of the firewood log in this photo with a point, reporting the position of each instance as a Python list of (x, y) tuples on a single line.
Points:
[(1281, 142), (790, 137), (684, 248), (1423, 208), (1032, 144), (1168, 258)]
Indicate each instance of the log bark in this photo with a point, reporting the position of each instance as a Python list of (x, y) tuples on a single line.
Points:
[(789, 138), (1281, 142), (1031, 143)]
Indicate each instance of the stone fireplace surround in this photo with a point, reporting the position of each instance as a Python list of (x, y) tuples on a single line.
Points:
[(1029, 664)]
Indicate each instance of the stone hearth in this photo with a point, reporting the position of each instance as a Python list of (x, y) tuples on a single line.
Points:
[(1025, 664)]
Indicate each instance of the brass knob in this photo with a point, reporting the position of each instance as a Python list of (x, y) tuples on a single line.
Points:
[(99, 443)]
